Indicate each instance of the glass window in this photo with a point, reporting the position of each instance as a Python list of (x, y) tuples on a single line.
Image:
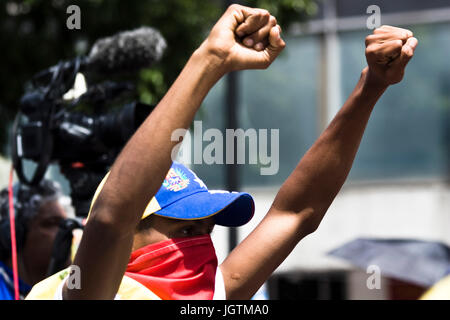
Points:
[(210, 116), (285, 98), (277, 109)]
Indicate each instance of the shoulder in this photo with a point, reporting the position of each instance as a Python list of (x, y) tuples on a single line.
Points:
[(51, 289), (130, 289), (47, 288)]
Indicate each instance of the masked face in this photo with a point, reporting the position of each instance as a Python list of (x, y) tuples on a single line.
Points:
[(175, 259), (155, 229)]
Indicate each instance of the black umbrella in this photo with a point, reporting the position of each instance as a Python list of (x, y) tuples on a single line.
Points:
[(419, 262)]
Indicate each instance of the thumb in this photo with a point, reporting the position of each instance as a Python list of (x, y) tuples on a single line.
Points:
[(231, 19), (407, 52), (412, 43), (276, 43)]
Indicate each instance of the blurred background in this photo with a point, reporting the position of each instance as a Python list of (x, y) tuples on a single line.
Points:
[(399, 185)]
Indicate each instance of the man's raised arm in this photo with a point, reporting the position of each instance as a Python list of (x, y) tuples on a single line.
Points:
[(308, 192), (139, 170)]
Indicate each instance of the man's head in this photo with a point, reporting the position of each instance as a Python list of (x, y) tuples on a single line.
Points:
[(184, 207), (153, 229), (38, 215)]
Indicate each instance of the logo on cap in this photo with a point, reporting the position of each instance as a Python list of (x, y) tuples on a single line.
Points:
[(175, 180)]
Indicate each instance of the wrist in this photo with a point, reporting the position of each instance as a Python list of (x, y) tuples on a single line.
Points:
[(369, 89), (372, 81), (212, 60)]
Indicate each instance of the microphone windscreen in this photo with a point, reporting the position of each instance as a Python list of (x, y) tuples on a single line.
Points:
[(127, 51)]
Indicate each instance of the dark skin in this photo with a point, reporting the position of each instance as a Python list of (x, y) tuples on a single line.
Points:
[(34, 257), (157, 229), (301, 202)]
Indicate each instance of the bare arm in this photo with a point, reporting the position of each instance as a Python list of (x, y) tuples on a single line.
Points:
[(306, 195), (139, 170)]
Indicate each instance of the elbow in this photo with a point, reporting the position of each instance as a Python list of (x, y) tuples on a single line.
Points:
[(304, 219), (309, 220)]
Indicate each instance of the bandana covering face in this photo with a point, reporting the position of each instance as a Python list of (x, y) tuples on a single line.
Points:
[(176, 269)]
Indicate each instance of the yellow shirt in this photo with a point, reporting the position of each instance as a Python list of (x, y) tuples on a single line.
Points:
[(439, 291), (50, 289)]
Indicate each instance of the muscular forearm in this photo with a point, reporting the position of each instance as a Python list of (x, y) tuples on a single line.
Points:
[(135, 177), (308, 192), (318, 177), (146, 158), (138, 172)]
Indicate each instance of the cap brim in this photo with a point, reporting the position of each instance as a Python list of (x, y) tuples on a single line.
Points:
[(231, 209)]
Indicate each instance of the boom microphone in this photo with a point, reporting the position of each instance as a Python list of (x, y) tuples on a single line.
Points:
[(126, 51)]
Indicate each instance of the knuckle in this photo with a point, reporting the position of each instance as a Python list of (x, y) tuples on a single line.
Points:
[(397, 44), (234, 6), (404, 35), (409, 54), (369, 51), (264, 13), (406, 31), (273, 21)]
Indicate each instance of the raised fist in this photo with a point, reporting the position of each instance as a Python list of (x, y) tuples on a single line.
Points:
[(245, 38), (388, 51)]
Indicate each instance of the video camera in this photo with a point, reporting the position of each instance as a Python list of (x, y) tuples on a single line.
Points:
[(50, 128)]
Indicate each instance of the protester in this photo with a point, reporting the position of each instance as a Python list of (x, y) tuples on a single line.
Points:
[(38, 214), (139, 246)]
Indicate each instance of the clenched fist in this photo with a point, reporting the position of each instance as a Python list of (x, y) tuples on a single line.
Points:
[(388, 51), (245, 38)]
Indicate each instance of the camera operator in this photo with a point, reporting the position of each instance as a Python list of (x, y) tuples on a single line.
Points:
[(38, 215)]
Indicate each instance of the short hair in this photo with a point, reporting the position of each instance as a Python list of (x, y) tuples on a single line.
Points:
[(145, 223), (27, 201)]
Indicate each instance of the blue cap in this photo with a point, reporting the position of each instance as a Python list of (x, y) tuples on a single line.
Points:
[(184, 196)]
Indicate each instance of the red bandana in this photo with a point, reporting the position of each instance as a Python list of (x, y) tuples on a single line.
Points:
[(176, 269)]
